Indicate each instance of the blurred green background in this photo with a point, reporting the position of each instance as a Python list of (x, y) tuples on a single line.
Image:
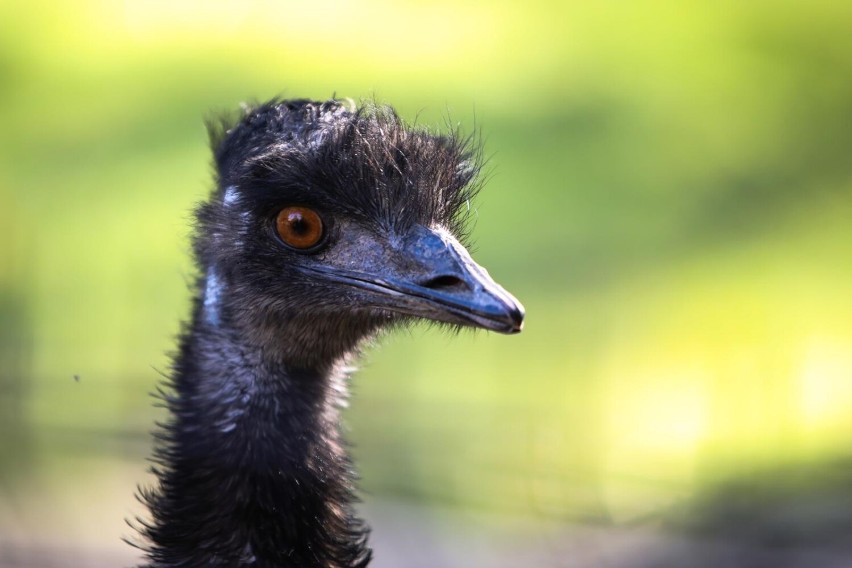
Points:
[(670, 197)]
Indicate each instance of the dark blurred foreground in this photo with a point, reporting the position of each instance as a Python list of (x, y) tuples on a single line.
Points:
[(788, 518)]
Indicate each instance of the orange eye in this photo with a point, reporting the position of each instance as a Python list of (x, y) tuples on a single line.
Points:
[(299, 227)]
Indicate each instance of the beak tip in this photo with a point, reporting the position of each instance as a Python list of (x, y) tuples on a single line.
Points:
[(516, 317)]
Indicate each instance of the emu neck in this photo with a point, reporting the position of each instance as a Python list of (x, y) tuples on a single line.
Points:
[(253, 469)]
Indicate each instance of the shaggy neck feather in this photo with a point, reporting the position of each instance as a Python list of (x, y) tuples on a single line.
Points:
[(252, 469)]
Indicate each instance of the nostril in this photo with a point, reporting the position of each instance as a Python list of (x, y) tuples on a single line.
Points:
[(442, 282)]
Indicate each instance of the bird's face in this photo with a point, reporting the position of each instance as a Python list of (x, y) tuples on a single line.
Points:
[(354, 222), (422, 272)]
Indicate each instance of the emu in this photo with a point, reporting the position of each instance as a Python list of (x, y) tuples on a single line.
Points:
[(327, 224)]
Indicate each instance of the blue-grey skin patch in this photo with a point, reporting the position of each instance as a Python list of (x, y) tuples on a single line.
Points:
[(231, 196), (212, 298)]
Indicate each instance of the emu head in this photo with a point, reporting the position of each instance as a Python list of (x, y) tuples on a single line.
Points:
[(329, 223)]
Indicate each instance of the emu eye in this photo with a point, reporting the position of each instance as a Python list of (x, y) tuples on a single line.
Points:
[(299, 227)]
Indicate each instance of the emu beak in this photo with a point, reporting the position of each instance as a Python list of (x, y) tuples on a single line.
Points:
[(429, 274), (442, 282)]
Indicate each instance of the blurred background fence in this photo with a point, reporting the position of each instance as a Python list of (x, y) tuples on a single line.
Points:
[(670, 196)]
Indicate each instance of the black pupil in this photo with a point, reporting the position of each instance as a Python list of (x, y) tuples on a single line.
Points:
[(299, 225)]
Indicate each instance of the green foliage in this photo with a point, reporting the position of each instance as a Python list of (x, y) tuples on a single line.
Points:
[(670, 197)]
